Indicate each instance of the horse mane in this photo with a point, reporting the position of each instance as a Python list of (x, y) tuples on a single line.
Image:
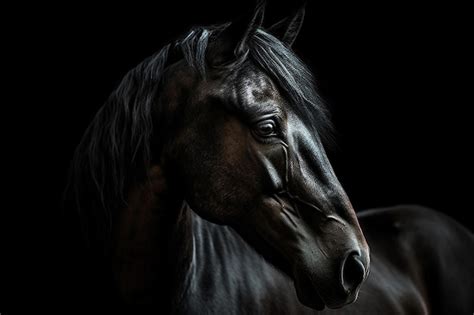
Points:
[(115, 150)]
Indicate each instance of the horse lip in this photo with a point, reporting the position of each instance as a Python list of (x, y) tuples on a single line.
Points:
[(307, 293)]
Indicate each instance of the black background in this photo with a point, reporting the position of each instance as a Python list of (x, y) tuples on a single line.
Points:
[(395, 77)]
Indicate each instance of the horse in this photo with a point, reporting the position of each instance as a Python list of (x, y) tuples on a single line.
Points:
[(204, 183)]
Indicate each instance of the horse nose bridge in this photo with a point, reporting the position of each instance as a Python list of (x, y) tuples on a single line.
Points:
[(335, 222), (331, 200), (307, 157), (314, 180), (317, 167)]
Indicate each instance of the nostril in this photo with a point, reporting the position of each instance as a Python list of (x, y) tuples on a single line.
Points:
[(353, 272)]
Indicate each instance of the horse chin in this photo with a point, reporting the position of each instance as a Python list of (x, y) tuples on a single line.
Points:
[(307, 293)]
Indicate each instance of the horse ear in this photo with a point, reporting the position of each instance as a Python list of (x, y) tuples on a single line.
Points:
[(241, 30), (287, 29), (232, 42)]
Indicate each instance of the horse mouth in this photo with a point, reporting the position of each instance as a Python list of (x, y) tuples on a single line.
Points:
[(307, 293)]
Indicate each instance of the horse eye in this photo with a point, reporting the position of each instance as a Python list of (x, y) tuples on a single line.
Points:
[(265, 128)]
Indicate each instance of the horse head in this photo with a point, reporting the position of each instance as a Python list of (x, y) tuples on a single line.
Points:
[(245, 132)]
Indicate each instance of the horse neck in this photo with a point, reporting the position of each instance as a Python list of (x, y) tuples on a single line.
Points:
[(162, 247), (153, 249)]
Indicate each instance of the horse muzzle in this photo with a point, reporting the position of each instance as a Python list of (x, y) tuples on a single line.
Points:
[(334, 285)]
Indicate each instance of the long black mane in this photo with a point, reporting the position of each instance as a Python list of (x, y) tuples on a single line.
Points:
[(115, 150)]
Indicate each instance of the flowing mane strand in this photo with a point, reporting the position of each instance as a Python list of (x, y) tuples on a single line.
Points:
[(115, 149)]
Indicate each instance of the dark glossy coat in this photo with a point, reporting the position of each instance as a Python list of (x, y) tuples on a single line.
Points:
[(206, 177)]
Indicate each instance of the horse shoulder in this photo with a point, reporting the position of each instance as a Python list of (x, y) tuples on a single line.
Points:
[(432, 249)]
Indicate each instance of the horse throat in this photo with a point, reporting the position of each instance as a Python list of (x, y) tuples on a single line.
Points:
[(153, 245)]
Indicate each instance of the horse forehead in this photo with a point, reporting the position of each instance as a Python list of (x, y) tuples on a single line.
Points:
[(255, 87)]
